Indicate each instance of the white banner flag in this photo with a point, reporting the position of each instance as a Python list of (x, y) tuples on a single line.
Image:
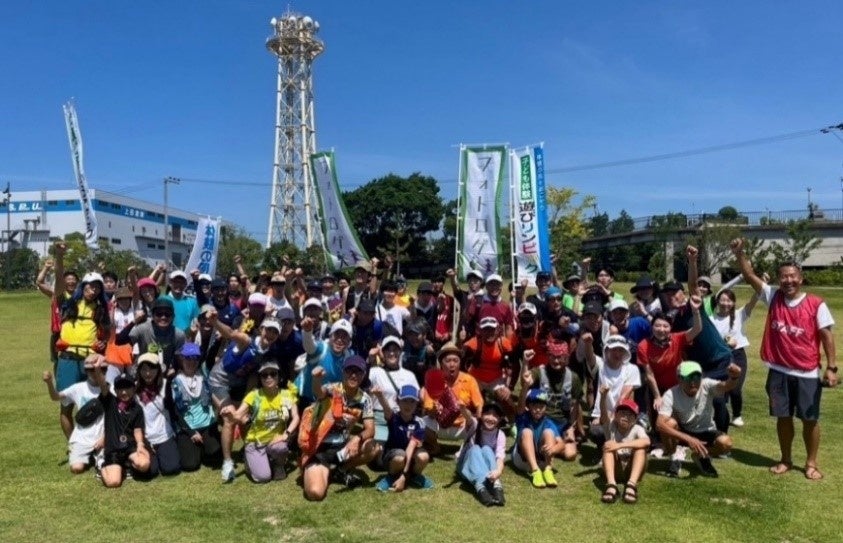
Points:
[(481, 175), (530, 237), (76, 155), (341, 243), (203, 257)]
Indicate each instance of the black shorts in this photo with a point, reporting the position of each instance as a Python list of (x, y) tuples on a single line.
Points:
[(789, 395), (708, 438), (119, 457)]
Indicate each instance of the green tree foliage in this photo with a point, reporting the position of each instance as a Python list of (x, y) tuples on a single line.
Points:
[(411, 204), (568, 225), (82, 259), (235, 241), (712, 240), (798, 245), (18, 268)]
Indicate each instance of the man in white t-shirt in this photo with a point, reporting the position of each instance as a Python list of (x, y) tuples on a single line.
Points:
[(87, 436), (797, 325), (390, 312), (615, 373)]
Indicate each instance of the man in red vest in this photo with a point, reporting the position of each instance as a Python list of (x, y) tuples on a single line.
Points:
[(797, 324)]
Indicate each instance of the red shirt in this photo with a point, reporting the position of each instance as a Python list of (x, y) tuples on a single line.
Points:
[(791, 338), (664, 360), (500, 309)]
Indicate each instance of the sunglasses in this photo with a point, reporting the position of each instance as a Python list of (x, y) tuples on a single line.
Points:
[(162, 314), (101, 370), (554, 299), (268, 374), (353, 371)]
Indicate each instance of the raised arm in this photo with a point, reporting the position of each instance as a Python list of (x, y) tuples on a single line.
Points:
[(240, 338), (693, 273), (47, 377), (41, 281), (59, 286), (726, 386), (696, 328), (745, 265)]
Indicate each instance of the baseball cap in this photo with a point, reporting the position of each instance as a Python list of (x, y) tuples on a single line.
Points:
[(218, 283), (149, 358), (494, 277), (363, 265), (617, 303), (553, 291), (474, 273), (271, 323), (124, 380), (123, 292), (178, 273), (592, 308), (489, 322), (616, 341), (354, 362), (571, 279), (687, 369), (189, 350), (285, 314), (642, 283), (92, 277), (367, 305), (312, 302), (408, 392), (204, 278), (704, 279), (536, 395), (342, 325), (627, 404), (206, 308), (425, 287), (527, 307), (146, 282), (392, 339), (162, 302), (328, 278), (557, 348), (256, 298), (269, 365), (315, 284), (672, 286), (543, 276)]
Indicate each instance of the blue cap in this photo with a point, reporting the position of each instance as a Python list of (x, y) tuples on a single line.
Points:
[(408, 392), (553, 291), (189, 350), (354, 362), (536, 395)]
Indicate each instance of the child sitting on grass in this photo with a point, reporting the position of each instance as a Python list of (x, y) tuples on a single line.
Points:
[(625, 449), (538, 440), (403, 455), (480, 460)]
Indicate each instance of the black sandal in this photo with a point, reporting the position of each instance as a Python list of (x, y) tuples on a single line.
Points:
[(610, 495), (630, 494)]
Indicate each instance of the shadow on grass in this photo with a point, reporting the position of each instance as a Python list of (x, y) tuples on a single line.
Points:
[(750, 458)]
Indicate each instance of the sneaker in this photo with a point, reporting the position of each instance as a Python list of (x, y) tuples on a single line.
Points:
[(130, 475), (738, 422), (673, 468), (497, 494), (421, 481), (658, 452), (346, 478), (538, 480), (705, 465), (385, 483), (227, 473), (548, 477), (486, 498)]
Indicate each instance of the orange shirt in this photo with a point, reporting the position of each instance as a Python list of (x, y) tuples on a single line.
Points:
[(487, 359), (466, 390)]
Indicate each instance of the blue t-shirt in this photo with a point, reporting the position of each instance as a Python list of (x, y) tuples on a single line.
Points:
[(289, 349), (637, 330), (525, 420), (708, 348), (401, 431), (186, 309), (326, 358)]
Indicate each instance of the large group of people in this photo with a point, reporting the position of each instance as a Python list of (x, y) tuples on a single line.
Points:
[(332, 375)]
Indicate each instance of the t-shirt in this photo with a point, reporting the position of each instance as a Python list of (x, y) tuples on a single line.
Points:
[(359, 406), (466, 390), (186, 309), (693, 413), (380, 377), (526, 421), (736, 331), (663, 360), (78, 395), (487, 360), (563, 389), (612, 433), (120, 426), (394, 316), (272, 415), (152, 339), (498, 309), (615, 378), (326, 358), (708, 347), (80, 332), (192, 401), (156, 420), (402, 431)]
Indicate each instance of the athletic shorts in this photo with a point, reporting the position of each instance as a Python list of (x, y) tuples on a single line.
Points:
[(70, 369), (80, 453), (229, 395), (119, 457), (791, 395), (708, 438)]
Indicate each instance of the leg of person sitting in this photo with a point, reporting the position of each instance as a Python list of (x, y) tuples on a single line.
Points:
[(569, 450), (278, 452), (721, 414), (79, 458), (167, 454), (257, 462), (190, 453), (140, 461), (610, 493), (669, 443), (420, 461), (367, 452), (527, 450), (551, 445), (475, 467), (431, 440), (112, 475), (211, 448), (396, 464), (722, 444), (315, 481), (636, 467)]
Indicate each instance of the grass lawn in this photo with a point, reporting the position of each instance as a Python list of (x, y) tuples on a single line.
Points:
[(42, 501)]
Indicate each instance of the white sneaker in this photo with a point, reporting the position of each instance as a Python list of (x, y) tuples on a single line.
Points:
[(657, 452), (738, 422), (228, 471)]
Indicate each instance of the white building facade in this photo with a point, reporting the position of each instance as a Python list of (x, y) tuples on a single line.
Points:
[(35, 218)]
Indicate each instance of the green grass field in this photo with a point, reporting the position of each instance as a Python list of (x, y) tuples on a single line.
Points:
[(42, 501)]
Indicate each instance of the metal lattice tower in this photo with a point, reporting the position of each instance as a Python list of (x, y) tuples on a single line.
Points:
[(291, 215)]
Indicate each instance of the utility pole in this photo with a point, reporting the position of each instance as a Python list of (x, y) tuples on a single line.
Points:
[(7, 264), (167, 181)]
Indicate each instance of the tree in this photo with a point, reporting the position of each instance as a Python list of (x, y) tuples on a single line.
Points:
[(598, 225), (568, 226), (798, 245), (235, 241), (728, 213), (713, 242), (18, 268), (411, 204)]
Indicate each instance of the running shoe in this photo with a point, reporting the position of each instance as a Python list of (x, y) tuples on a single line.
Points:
[(538, 480), (548, 477), (227, 472)]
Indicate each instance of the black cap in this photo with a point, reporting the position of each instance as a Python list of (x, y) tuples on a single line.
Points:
[(218, 283), (367, 305), (314, 285), (163, 303), (672, 286), (425, 287), (643, 282), (543, 276), (592, 308), (124, 380)]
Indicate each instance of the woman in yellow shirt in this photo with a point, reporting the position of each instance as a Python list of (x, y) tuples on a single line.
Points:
[(272, 410)]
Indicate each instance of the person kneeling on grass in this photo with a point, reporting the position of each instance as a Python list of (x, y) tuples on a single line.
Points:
[(86, 440), (198, 437), (271, 409), (125, 442), (480, 460), (625, 449), (151, 390), (687, 416), (538, 440), (337, 431), (403, 455)]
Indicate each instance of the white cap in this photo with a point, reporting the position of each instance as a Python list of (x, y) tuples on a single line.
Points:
[(312, 302), (475, 273), (489, 322), (271, 323), (256, 298), (494, 277), (615, 341), (204, 277), (392, 339), (342, 325), (528, 308), (92, 277), (178, 273), (617, 303)]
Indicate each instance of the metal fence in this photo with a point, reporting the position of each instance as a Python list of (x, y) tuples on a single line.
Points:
[(677, 220)]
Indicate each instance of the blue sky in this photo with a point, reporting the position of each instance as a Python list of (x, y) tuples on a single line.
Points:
[(187, 89)]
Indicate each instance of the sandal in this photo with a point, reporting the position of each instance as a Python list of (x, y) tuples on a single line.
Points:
[(781, 468), (610, 495), (630, 494), (812, 473)]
